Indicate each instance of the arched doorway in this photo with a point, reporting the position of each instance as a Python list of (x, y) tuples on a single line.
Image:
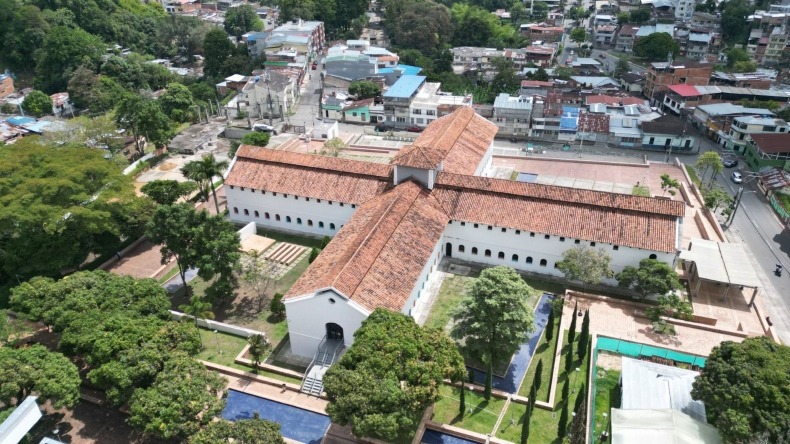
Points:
[(448, 250), (334, 332)]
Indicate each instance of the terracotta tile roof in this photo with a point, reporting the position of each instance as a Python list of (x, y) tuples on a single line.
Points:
[(309, 175), (463, 135), (377, 257), (593, 123), (416, 156), (632, 101), (619, 219)]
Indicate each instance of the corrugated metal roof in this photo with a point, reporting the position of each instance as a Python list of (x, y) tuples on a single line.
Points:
[(405, 87), (651, 386), (721, 262)]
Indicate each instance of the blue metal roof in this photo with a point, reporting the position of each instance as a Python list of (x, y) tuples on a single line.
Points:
[(569, 119), (19, 120), (405, 87), (408, 70)]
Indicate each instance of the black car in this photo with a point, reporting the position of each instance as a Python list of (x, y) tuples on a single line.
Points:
[(382, 128), (730, 163)]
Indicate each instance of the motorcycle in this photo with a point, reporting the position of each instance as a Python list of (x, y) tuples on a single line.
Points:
[(778, 270)]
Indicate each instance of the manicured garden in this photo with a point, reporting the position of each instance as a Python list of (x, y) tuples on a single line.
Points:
[(482, 418), (607, 397), (545, 352)]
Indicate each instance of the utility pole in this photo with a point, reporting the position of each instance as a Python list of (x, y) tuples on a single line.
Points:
[(735, 204)]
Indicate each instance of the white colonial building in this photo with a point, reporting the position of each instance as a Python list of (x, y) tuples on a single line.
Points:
[(392, 224)]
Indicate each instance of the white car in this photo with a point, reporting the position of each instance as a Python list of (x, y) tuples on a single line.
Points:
[(736, 177)]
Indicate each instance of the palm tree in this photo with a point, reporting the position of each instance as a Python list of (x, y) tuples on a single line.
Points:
[(204, 171), (198, 309), (194, 172)]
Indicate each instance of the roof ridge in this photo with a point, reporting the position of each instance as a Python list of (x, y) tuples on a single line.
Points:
[(364, 242)]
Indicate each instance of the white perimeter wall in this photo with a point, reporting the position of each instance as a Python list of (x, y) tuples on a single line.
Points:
[(308, 316), (313, 211), (525, 246)]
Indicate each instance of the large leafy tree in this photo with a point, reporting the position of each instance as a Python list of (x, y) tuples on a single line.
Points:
[(495, 317), (218, 51), (242, 19), (656, 46), (652, 277), (143, 118), (183, 398), (735, 30), (424, 26), (585, 264), (177, 102), (505, 79), (578, 35), (746, 390), (364, 89), (390, 375), (35, 370), (167, 192), (59, 204), (98, 94), (247, 431), (63, 50), (37, 103), (709, 161)]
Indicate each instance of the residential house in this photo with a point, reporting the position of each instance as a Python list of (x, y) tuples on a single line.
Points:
[(681, 97), (757, 80), (541, 55), (594, 125), (701, 19), (584, 66), (662, 74), (715, 119), (397, 100), (768, 37), (596, 84), (742, 129), (469, 58), (348, 66), (535, 87), (6, 85), (700, 43), (61, 106), (313, 29), (431, 103), (339, 107), (181, 6), (543, 32), (632, 82), (647, 30), (768, 149), (273, 93), (626, 38), (668, 133), (604, 35), (512, 115)]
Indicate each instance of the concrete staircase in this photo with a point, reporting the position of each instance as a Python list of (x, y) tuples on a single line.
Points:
[(329, 351)]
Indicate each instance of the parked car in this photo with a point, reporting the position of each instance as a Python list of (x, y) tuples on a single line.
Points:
[(736, 177), (414, 129), (730, 162), (382, 128), (264, 128)]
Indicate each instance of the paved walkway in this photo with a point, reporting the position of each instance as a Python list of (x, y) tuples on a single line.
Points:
[(143, 261)]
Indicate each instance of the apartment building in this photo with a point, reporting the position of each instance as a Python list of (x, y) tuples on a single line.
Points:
[(768, 37), (742, 129), (662, 74), (512, 115)]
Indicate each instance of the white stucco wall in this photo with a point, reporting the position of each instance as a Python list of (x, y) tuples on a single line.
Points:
[(423, 176), (485, 163), (308, 316), (538, 248), (295, 207), (416, 304)]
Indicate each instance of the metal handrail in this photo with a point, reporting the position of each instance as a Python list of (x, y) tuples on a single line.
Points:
[(304, 378), (339, 347)]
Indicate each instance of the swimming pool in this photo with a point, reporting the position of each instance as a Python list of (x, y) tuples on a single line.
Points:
[(435, 437), (297, 424)]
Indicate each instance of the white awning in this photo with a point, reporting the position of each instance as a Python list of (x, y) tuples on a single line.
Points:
[(721, 262), (660, 427)]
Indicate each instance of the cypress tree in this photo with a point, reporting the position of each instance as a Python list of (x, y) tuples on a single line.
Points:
[(569, 360), (325, 241), (462, 405), (562, 427), (580, 398), (533, 395), (566, 389), (584, 336), (572, 329), (550, 327), (313, 255), (538, 375), (525, 424)]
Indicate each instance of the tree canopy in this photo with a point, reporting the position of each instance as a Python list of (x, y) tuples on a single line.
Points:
[(143, 118), (585, 264), (69, 200), (652, 277), (35, 370), (495, 317), (746, 390), (62, 51), (390, 374), (167, 192), (247, 431), (183, 397), (656, 46), (242, 19), (37, 103), (364, 89), (177, 102)]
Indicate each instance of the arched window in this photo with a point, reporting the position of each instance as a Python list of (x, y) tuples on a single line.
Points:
[(474, 250), (277, 217), (246, 212), (529, 259), (235, 210), (514, 258), (299, 220), (653, 256), (266, 215), (288, 219), (257, 214), (501, 255), (320, 225), (461, 249), (488, 253), (543, 262), (331, 226), (309, 223)]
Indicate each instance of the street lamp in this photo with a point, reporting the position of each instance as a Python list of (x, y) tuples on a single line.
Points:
[(575, 372), (57, 433), (216, 339)]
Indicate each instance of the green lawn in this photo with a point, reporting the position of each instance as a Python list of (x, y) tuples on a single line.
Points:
[(220, 348), (693, 175), (541, 287), (607, 395), (543, 424), (484, 413), (451, 293), (290, 238), (545, 351), (640, 190)]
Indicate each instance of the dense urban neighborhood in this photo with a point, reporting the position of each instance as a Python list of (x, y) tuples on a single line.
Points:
[(395, 221)]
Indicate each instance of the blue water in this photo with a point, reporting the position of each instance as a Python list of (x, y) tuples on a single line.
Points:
[(520, 362), (435, 437), (297, 424)]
